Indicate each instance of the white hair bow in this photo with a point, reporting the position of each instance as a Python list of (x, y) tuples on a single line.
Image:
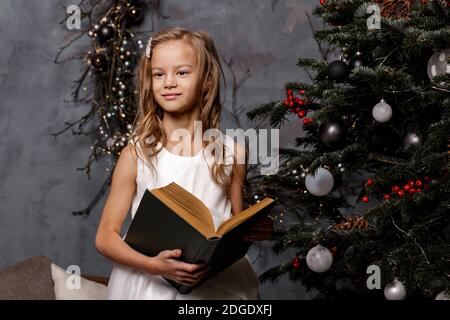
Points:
[(148, 50)]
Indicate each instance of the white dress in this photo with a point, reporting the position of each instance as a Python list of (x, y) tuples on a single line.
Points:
[(238, 281)]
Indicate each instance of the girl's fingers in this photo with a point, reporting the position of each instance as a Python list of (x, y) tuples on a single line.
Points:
[(191, 276), (200, 273), (186, 282), (189, 280)]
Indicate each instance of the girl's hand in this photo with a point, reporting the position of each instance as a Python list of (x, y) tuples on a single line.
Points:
[(167, 265), (262, 230)]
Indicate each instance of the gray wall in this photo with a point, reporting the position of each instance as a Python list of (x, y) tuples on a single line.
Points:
[(39, 183)]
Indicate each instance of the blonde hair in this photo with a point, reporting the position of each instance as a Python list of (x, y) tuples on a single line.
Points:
[(148, 128)]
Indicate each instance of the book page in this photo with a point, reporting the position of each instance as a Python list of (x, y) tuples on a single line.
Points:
[(187, 206), (243, 215)]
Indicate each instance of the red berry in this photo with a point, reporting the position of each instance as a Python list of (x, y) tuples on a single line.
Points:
[(369, 182), (289, 92), (387, 197), (426, 186), (365, 199), (307, 120), (412, 190), (322, 2), (411, 183), (301, 91), (290, 97), (296, 262), (301, 113), (301, 102), (407, 187), (291, 104), (401, 193), (395, 189), (418, 190), (423, 1), (419, 183), (333, 251), (286, 102), (426, 178)]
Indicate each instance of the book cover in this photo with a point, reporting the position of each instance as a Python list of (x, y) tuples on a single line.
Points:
[(158, 225)]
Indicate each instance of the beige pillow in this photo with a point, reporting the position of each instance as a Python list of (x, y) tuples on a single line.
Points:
[(89, 290)]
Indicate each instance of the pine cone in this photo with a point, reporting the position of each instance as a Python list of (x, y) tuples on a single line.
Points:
[(396, 9), (353, 223)]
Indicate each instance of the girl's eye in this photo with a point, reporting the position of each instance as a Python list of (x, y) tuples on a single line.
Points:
[(182, 73), (157, 75)]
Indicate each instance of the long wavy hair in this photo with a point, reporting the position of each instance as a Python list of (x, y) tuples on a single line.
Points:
[(148, 127)]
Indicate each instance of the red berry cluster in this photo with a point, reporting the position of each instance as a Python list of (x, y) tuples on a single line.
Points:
[(296, 105), (410, 187), (296, 263)]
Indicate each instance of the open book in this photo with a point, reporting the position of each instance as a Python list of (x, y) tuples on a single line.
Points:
[(171, 217)]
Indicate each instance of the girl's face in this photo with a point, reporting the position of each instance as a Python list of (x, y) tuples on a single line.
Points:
[(174, 76)]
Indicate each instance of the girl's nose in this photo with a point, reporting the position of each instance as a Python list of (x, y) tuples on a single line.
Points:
[(170, 81)]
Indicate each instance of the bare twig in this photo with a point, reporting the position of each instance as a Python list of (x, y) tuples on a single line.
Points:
[(236, 85), (319, 44), (98, 196), (83, 119), (409, 236)]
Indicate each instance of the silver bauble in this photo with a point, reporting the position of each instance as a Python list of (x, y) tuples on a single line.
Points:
[(320, 184), (439, 64), (319, 259), (395, 290), (382, 112), (443, 295), (412, 138)]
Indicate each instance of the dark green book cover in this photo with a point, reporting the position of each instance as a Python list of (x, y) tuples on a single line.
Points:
[(156, 227)]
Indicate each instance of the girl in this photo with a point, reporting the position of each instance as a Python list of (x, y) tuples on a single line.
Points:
[(178, 82)]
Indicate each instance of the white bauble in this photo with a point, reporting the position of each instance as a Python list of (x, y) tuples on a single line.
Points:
[(443, 295), (395, 290), (319, 259), (412, 138), (439, 63), (320, 184), (382, 112)]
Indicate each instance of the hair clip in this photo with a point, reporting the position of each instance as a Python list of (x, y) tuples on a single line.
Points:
[(148, 50)]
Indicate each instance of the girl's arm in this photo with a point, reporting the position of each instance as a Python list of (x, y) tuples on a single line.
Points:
[(263, 229), (109, 242), (238, 174)]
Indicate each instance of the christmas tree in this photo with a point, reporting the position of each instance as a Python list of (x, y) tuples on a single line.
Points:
[(381, 112)]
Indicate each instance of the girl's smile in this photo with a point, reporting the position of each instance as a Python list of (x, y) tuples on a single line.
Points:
[(171, 96)]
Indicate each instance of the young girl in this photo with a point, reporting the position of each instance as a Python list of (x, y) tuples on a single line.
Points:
[(179, 81)]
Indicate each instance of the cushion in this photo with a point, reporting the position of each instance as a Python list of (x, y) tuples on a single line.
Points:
[(89, 290), (29, 279)]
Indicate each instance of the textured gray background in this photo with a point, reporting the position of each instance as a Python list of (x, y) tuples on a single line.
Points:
[(39, 183)]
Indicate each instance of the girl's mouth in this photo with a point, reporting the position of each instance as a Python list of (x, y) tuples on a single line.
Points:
[(171, 96)]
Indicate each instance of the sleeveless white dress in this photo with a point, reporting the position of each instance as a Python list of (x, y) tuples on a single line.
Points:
[(237, 282)]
